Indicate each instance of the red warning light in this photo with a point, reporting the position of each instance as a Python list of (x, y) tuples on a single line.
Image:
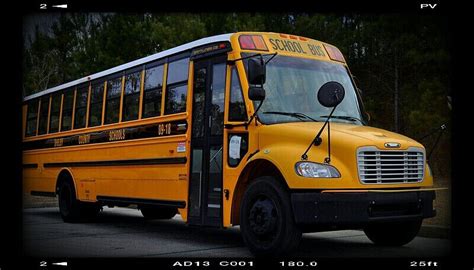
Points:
[(252, 42), (246, 43)]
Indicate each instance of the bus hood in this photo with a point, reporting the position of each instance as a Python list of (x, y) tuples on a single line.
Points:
[(284, 144), (345, 136)]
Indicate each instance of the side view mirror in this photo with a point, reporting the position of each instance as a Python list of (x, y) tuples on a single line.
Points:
[(256, 93), (256, 71), (331, 94)]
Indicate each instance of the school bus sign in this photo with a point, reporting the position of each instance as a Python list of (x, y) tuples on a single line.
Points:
[(296, 47), (291, 45)]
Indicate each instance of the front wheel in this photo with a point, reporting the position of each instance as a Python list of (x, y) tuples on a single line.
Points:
[(393, 233), (266, 219)]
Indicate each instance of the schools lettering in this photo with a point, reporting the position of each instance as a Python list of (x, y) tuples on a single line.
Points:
[(116, 135)]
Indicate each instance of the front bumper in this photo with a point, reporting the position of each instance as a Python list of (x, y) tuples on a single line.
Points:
[(358, 208)]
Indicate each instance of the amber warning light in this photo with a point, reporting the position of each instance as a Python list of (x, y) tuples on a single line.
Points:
[(252, 42), (334, 53)]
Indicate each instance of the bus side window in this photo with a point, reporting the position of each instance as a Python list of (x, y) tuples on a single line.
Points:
[(177, 86), (95, 111), (43, 119), (131, 97), (237, 110), (66, 122), (112, 105), (32, 117), (218, 97), (81, 107), (153, 91), (54, 115)]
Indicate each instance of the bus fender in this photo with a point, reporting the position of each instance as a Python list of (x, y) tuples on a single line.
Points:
[(63, 173), (258, 165)]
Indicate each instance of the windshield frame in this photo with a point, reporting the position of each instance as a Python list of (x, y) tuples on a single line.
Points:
[(360, 106)]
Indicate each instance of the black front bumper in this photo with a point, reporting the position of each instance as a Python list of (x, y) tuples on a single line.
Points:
[(358, 208)]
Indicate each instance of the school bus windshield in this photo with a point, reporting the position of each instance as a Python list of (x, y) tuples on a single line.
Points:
[(291, 87)]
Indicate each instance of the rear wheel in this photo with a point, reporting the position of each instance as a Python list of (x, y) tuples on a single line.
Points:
[(393, 233), (155, 212), (71, 209), (266, 219)]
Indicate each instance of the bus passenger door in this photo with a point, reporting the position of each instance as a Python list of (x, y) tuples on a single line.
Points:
[(205, 187)]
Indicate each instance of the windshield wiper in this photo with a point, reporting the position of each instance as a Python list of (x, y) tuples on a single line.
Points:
[(294, 114), (350, 118)]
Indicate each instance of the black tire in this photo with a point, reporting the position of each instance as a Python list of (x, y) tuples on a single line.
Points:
[(266, 219), (393, 233), (71, 209), (155, 212)]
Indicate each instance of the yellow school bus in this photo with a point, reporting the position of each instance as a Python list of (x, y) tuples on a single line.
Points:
[(262, 130)]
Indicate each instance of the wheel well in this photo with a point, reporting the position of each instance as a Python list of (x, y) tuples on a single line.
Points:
[(64, 176), (252, 171)]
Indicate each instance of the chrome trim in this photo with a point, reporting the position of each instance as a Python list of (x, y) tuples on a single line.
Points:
[(391, 172), (392, 145), (210, 205)]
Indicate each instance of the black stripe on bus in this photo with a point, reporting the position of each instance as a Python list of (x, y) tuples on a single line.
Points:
[(121, 134), (29, 166), (122, 200), (43, 193), (126, 162)]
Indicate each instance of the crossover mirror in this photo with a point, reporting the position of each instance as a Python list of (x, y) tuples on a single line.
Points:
[(331, 94), (256, 93)]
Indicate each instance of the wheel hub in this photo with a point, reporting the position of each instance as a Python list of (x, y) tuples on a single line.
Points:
[(262, 217)]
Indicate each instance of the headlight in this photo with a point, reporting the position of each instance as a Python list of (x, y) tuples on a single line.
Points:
[(316, 170)]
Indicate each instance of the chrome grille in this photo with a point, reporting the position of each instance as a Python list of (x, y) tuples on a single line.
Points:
[(390, 166)]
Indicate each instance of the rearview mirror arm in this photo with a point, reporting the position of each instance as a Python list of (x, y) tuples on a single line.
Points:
[(253, 115), (232, 62), (246, 124), (270, 59), (317, 140)]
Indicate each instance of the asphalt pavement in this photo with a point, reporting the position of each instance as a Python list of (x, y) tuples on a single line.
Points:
[(123, 232)]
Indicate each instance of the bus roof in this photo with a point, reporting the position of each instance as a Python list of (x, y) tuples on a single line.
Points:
[(150, 58)]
